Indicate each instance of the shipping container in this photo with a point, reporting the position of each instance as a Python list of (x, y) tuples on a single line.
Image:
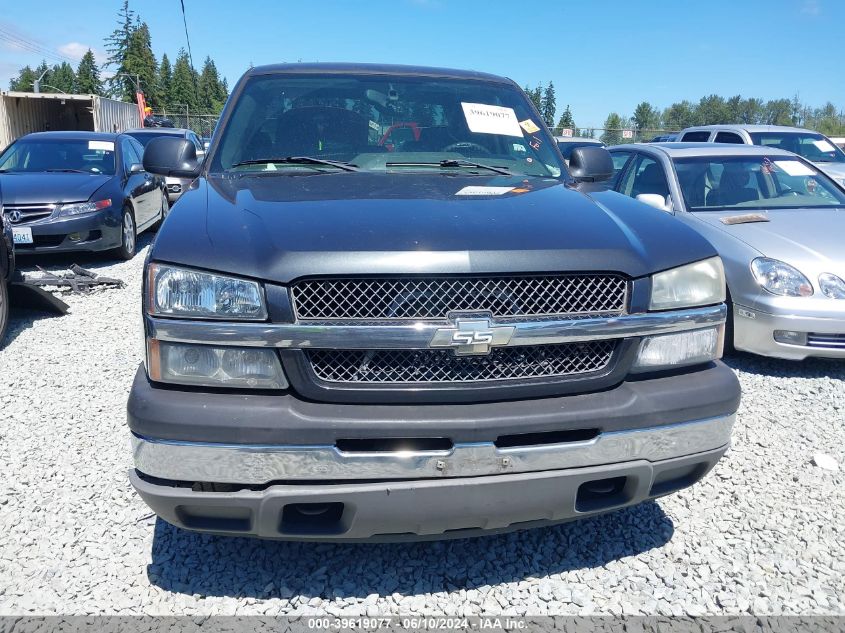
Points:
[(25, 112)]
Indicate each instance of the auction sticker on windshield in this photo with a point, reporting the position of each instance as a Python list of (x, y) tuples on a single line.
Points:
[(106, 146), (490, 119), (21, 235), (795, 168), (483, 191)]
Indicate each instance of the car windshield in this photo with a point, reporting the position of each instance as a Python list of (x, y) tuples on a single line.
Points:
[(384, 123), (145, 137), (811, 145), (59, 155), (754, 182)]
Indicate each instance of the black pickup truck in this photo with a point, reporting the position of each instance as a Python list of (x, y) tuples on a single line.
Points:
[(385, 309)]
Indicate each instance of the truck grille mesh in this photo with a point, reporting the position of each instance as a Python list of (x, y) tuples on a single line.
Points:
[(443, 366), (434, 298)]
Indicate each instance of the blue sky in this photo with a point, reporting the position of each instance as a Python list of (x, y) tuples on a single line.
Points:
[(602, 55)]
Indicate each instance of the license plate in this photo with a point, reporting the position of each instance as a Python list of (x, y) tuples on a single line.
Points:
[(22, 235)]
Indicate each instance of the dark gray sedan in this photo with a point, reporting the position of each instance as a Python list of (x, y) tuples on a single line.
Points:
[(79, 191)]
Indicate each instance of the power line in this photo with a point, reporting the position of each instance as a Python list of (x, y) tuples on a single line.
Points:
[(190, 54), (32, 46)]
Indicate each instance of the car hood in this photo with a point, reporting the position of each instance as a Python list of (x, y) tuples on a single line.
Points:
[(834, 170), (791, 235), (49, 188), (283, 227)]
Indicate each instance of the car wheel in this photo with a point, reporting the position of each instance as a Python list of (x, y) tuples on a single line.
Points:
[(165, 210), (128, 235), (4, 309)]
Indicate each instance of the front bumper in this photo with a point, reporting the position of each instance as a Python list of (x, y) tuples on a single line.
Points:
[(97, 232), (754, 332), (422, 509)]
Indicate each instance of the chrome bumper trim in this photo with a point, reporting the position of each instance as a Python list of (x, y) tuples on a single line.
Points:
[(418, 335), (261, 464)]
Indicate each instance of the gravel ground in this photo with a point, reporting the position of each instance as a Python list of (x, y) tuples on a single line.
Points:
[(763, 534)]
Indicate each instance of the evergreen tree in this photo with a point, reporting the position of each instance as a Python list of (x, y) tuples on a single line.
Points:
[(24, 81), (117, 46), (536, 96), (182, 87), (140, 63), (165, 78), (548, 105), (565, 122), (212, 95), (646, 117), (679, 115), (88, 75), (62, 79), (612, 129)]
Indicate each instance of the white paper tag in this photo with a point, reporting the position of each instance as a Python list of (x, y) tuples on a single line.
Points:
[(795, 168), (824, 146), (106, 146), (491, 119), (483, 191)]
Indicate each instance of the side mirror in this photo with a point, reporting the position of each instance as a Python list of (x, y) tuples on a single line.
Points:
[(171, 156), (590, 164), (657, 201), (136, 168)]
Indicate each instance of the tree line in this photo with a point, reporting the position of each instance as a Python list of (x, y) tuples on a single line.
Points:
[(649, 120), (166, 86)]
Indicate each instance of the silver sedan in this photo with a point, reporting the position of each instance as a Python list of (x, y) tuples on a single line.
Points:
[(778, 223)]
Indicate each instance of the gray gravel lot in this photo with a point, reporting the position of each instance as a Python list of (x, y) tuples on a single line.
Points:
[(764, 533)]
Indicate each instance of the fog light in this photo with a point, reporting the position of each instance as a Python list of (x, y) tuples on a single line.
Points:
[(678, 350), (251, 368), (790, 337), (75, 237)]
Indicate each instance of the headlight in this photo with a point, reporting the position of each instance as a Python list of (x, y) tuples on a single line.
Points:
[(173, 291), (780, 278), (78, 208), (698, 284), (249, 368), (678, 350), (832, 286)]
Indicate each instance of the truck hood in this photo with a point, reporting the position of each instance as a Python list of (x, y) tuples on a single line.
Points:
[(791, 235), (283, 227), (49, 188)]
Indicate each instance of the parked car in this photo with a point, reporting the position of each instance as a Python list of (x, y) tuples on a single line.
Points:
[(175, 186), (664, 138), (815, 147), (778, 223), (7, 269), (568, 143), (79, 191), (346, 343)]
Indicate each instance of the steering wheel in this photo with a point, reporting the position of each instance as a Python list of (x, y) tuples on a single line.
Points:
[(463, 145)]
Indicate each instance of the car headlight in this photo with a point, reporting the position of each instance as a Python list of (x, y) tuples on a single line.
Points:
[(832, 286), (780, 278), (181, 292), (78, 208), (204, 365), (698, 284)]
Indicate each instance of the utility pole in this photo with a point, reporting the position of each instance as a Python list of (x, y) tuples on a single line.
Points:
[(36, 85)]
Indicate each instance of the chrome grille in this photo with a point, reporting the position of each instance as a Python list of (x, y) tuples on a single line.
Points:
[(442, 366), (25, 214), (435, 298)]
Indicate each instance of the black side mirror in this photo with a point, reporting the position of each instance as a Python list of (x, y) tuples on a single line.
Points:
[(171, 157), (590, 164)]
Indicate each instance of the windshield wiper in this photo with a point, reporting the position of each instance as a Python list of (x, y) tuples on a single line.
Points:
[(299, 160), (454, 162), (70, 171)]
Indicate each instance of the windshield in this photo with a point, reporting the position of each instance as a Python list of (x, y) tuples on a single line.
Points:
[(380, 123), (59, 155), (811, 145), (754, 182)]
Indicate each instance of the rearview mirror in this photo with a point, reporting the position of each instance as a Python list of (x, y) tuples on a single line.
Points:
[(657, 201), (171, 156), (590, 164)]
